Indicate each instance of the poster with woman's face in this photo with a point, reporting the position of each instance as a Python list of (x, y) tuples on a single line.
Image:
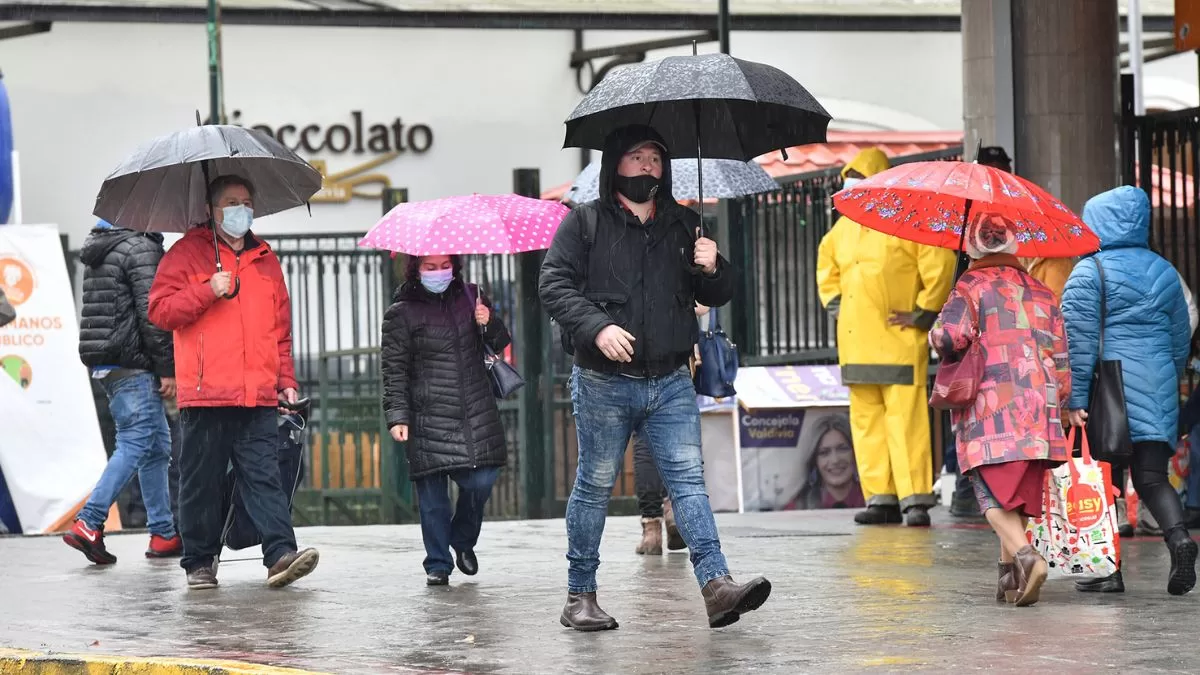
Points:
[(831, 474), (800, 458)]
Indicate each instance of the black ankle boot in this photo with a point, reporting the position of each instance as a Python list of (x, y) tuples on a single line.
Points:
[(1183, 562), (879, 515)]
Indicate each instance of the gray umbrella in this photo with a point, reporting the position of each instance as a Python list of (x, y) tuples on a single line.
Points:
[(162, 186), (723, 179)]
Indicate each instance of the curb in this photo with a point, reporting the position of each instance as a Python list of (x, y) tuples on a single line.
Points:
[(29, 662)]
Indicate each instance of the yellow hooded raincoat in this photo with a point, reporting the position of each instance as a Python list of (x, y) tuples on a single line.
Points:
[(863, 277)]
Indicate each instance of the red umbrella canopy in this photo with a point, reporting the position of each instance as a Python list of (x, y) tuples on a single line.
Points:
[(929, 202)]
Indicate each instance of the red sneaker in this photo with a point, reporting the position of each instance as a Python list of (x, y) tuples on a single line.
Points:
[(161, 547), (89, 542)]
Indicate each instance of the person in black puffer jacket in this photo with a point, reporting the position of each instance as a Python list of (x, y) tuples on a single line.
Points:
[(134, 362), (437, 397)]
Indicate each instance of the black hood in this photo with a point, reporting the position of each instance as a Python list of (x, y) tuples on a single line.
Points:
[(616, 145), (102, 240)]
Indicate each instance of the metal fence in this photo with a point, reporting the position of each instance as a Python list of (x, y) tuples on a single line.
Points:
[(774, 236)]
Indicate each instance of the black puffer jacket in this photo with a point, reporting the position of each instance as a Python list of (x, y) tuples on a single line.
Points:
[(634, 275), (114, 329), (434, 380)]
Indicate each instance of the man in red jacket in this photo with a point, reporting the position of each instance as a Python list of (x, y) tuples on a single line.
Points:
[(233, 356)]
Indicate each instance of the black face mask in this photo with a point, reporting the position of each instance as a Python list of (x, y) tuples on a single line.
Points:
[(637, 189)]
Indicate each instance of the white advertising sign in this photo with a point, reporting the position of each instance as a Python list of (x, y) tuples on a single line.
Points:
[(51, 450)]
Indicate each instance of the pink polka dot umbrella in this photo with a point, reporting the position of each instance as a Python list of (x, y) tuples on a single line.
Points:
[(470, 224)]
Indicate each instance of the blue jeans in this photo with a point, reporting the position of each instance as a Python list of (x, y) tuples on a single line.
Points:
[(963, 490), (442, 532), (1190, 415), (212, 438), (607, 409), (143, 447)]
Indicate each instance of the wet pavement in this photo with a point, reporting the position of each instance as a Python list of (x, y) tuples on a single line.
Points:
[(846, 599)]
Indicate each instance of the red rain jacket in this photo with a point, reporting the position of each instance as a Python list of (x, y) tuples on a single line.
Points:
[(235, 352)]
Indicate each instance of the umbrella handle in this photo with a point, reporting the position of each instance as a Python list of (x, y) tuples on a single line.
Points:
[(237, 287)]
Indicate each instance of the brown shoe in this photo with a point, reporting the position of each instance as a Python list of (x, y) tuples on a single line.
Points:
[(1031, 571), (201, 578), (675, 540), (292, 567), (583, 613), (651, 543), (727, 600), (1006, 588)]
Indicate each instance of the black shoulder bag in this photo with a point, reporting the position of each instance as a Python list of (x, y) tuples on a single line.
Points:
[(1108, 418), (505, 379)]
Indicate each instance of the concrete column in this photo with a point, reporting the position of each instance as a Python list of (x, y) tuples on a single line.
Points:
[(1061, 106)]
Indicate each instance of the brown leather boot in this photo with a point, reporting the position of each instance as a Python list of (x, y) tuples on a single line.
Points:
[(675, 540), (292, 567), (1031, 571), (583, 613), (727, 600), (651, 543), (1006, 588)]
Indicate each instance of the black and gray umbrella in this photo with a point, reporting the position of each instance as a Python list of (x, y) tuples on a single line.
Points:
[(163, 185), (723, 179), (727, 107), (704, 106)]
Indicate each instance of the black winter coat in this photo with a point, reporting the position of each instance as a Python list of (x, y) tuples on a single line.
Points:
[(635, 275), (114, 329), (435, 382)]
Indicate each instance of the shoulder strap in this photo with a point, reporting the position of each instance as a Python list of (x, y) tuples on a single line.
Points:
[(1103, 307), (591, 221)]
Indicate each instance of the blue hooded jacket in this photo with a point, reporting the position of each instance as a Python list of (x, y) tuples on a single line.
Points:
[(1147, 323)]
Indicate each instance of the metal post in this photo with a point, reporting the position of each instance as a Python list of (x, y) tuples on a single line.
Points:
[(1134, 32), (536, 456), (723, 24), (1004, 84), (394, 467), (216, 106), (1129, 139)]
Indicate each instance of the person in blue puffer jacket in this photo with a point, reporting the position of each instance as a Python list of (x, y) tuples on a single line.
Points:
[(1147, 329)]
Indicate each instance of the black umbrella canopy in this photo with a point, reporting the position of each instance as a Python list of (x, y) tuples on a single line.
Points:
[(727, 107), (162, 186)]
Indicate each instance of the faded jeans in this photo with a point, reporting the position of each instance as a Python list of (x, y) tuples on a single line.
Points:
[(608, 408), (143, 447)]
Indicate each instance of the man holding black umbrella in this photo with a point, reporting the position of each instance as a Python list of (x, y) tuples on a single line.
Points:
[(233, 356), (622, 278)]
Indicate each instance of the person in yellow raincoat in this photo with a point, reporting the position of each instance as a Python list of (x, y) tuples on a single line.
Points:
[(885, 293)]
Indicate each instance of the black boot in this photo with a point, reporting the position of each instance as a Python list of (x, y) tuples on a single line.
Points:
[(1183, 562), (917, 516), (879, 515), (1113, 583)]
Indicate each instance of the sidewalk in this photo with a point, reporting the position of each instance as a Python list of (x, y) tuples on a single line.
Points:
[(846, 599)]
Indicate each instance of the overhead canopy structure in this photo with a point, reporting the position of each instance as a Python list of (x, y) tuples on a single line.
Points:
[(673, 15)]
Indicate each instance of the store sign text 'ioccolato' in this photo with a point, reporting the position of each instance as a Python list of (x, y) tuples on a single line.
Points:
[(357, 136)]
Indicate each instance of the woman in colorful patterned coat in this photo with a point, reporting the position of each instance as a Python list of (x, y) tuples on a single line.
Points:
[(1013, 433)]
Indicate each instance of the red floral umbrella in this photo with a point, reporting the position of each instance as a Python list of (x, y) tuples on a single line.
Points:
[(929, 202)]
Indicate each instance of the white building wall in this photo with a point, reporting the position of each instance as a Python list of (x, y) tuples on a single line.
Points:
[(84, 95)]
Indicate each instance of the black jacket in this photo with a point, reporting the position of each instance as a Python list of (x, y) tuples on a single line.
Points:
[(434, 380), (634, 275), (114, 329)]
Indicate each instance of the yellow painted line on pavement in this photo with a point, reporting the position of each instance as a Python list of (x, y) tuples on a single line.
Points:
[(38, 663)]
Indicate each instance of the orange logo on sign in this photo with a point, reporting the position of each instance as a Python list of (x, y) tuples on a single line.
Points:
[(1085, 507), (16, 279)]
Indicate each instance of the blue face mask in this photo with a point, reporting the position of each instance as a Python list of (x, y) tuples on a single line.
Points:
[(437, 281), (237, 220)]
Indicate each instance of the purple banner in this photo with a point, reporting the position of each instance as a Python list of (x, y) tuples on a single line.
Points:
[(770, 428)]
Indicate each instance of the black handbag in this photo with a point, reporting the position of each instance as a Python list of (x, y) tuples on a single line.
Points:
[(1108, 418), (505, 379), (718, 362)]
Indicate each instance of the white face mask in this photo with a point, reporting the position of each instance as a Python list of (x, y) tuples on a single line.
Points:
[(237, 220), (848, 183)]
